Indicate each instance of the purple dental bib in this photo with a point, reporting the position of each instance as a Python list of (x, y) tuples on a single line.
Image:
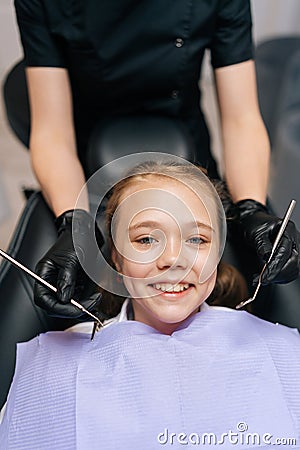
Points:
[(222, 377)]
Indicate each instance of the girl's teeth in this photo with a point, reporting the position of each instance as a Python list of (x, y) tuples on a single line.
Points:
[(170, 287)]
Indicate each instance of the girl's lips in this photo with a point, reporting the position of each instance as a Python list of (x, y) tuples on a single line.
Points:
[(169, 293)]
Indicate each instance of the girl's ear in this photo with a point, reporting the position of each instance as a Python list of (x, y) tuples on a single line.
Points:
[(114, 257)]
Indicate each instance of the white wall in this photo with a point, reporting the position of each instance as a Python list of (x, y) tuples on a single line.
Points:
[(14, 164), (275, 17), (10, 48)]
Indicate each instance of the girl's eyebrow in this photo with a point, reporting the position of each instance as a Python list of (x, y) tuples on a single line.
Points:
[(199, 224), (154, 225), (145, 224)]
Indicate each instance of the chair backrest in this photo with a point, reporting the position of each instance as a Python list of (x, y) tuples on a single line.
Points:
[(272, 57), (20, 319), (16, 102), (120, 136), (285, 164)]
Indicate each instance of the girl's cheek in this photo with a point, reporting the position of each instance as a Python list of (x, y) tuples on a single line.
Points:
[(134, 270)]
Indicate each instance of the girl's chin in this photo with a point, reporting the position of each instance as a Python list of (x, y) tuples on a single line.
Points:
[(169, 313)]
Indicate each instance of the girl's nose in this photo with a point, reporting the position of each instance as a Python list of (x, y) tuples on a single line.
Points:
[(172, 255)]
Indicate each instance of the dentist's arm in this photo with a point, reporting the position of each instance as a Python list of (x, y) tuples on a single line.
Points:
[(60, 174), (246, 161)]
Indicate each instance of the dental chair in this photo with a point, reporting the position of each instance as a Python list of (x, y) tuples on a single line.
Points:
[(20, 319)]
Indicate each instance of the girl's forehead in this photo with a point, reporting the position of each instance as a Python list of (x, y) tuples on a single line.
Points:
[(160, 183), (166, 194)]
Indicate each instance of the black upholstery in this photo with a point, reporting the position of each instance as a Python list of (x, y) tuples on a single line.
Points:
[(272, 58), (137, 134), (16, 102), (285, 162), (20, 319)]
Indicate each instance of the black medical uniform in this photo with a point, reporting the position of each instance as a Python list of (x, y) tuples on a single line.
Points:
[(136, 56)]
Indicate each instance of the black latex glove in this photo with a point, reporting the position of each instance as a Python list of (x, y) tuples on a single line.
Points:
[(260, 230), (61, 267)]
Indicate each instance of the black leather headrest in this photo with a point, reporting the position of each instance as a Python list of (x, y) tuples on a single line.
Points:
[(17, 103), (120, 136)]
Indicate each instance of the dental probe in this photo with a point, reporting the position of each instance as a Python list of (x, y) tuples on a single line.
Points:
[(97, 322)]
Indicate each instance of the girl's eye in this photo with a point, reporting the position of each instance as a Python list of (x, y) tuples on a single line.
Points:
[(147, 240), (196, 240)]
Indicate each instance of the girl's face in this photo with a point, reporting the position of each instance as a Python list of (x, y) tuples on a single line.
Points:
[(163, 243)]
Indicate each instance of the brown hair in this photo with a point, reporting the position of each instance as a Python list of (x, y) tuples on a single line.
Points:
[(230, 287)]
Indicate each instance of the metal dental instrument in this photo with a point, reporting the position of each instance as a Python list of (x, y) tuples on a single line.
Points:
[(276, 242), (97, 322)]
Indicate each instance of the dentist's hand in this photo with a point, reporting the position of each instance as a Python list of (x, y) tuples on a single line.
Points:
[(260, 229), (61, 267)]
